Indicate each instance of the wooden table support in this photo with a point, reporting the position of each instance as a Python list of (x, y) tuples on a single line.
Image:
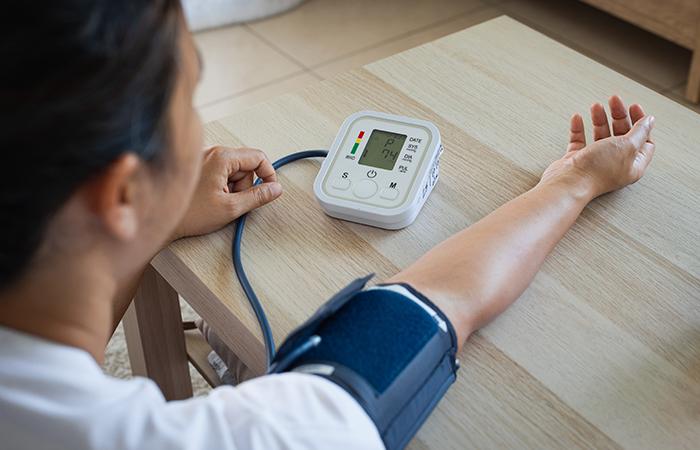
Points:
[(155, 337), (692, 92)]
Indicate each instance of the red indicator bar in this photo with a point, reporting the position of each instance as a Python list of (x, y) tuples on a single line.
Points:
[(359, 136)]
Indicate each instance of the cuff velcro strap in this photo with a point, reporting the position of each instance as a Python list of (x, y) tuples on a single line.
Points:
[(393, 354)]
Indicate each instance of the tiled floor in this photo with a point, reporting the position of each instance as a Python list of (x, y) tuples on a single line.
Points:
[(249, 63)]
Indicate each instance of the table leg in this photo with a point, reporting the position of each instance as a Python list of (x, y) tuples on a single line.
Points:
[(692, 92), (155, 337)]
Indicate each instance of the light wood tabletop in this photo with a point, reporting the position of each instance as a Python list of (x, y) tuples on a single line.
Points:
[(603, 349)]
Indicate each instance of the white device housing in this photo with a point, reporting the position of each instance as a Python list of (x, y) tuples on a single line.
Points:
[(368, 194)]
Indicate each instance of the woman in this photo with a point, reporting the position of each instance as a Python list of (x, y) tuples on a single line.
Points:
[(107, 87)]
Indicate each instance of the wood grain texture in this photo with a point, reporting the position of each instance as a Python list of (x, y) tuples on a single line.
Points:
[(154, 336), (602, 351), (675, 20)]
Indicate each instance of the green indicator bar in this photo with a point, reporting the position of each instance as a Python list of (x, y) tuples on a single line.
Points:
[(354, 148)]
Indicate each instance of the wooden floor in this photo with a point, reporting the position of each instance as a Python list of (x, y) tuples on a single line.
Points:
[(247, 64)]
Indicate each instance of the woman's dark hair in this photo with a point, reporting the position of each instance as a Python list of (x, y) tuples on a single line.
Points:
[(81, 83)]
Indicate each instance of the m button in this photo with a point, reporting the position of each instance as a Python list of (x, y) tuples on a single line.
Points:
[(389, 194)]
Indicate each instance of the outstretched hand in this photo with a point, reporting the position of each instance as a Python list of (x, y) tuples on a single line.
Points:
[(616, 157), (226, 191)]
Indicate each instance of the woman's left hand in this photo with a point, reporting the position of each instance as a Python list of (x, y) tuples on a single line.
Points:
[(616, 157), (225, 190)]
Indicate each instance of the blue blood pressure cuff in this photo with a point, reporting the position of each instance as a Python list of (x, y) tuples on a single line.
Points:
[(387, 346)]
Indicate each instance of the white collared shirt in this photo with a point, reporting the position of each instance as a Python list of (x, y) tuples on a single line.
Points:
[(54, 396)]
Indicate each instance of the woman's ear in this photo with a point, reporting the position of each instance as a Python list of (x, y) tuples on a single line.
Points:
[(113, 197)]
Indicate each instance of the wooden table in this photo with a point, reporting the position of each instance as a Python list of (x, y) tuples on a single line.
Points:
[(602, 351)]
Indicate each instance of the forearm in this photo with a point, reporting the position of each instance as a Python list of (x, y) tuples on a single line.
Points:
[(126, 291), (125, 294), (477, 273)]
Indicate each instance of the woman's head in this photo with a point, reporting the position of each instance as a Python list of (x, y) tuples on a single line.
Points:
[(100, 143)]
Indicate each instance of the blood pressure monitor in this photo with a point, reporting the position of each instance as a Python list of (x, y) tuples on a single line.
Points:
[(380, 169)]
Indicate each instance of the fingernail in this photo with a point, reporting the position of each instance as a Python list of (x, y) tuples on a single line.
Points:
[(275, 188), (652, 119)]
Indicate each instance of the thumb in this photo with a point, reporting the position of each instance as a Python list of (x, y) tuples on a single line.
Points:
[(639, 133), (254, 197)]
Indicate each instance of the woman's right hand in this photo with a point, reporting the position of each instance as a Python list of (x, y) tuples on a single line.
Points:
[(613, 160)]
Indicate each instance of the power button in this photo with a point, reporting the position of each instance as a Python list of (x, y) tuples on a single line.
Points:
[(365, 189)]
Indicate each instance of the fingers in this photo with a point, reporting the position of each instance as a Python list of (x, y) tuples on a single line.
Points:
[(255, 197), (639, 134), (601, 129), (241, 181), (243, 163), (636, 113), (620, 120), (248, 160), (577, 135), (257, 162)]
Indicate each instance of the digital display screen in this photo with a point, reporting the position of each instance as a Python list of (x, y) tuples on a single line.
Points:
[(382, 149)]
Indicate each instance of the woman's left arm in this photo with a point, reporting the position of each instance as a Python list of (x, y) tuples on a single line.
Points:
[(476, 274)]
